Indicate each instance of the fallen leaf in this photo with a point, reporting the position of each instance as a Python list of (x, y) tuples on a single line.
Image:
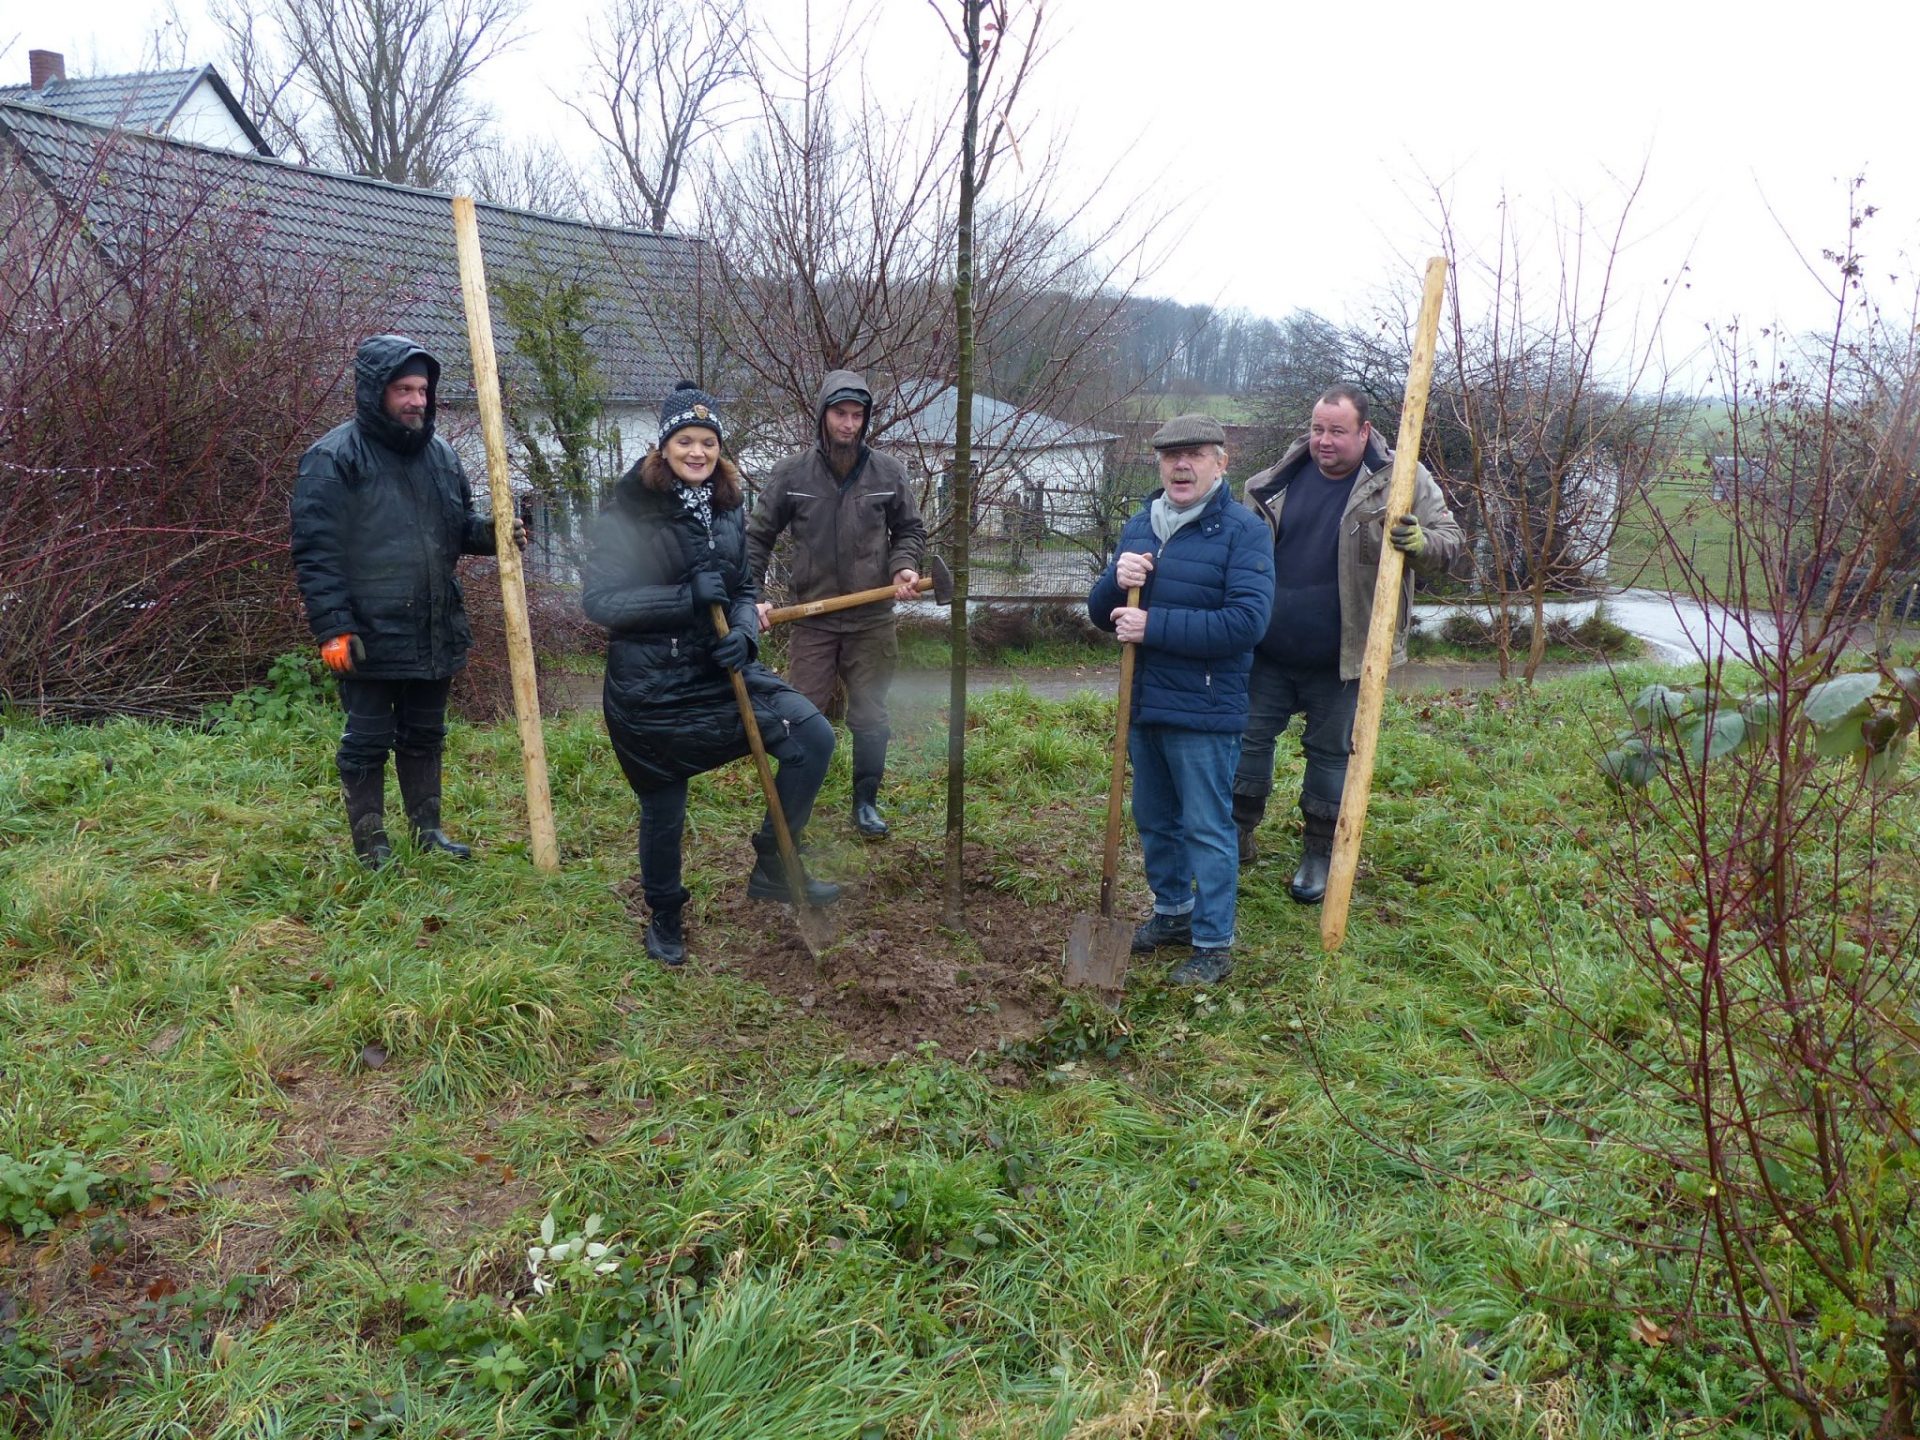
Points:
[(1648, 1333)]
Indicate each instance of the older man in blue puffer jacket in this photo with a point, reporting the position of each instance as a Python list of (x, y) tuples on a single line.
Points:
[(1204, 563)]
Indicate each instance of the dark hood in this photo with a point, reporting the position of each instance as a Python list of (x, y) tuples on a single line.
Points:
[(374, 365), (837, 384)]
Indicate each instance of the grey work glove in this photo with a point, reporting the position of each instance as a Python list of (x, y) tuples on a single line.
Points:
[(1407, 536)]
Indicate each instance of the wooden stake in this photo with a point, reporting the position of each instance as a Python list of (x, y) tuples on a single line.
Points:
[(1384, 621), (513, 585)]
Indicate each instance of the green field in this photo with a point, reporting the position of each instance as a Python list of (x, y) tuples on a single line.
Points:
[(313, 1121)]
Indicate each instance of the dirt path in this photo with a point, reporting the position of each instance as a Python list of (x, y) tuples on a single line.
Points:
[(920, 692)]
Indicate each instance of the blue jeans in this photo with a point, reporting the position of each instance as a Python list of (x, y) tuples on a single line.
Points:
[(1183, 808), (1275, 694)]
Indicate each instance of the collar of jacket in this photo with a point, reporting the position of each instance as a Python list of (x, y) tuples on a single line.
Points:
[(1209, 511), (1271, 483)]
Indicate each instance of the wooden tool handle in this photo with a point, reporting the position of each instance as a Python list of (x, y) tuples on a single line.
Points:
[(1110, 857), (841, 602), (789, 856), (1384, 621)]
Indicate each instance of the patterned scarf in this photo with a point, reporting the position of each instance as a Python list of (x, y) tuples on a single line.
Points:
[(699, 500)]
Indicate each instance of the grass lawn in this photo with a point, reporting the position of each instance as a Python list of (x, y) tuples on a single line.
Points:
[(315, 1121)]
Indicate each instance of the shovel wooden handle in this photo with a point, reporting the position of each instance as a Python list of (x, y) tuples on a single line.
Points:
[(1110, 858), (841, 602), (1384, 621), (789, 857)]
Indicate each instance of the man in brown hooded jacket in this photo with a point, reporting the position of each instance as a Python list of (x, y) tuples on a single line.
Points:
[(854, 526)]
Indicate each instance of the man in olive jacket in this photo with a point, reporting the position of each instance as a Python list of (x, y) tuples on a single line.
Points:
[(382, 511), (1325, 503), (855, 526)]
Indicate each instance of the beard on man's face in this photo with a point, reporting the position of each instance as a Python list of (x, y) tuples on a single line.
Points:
[(840, 457)]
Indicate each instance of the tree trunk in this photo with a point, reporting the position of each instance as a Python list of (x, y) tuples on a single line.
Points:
[(962, 508)]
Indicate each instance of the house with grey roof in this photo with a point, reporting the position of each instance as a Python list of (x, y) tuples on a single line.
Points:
[(320, 226), (1033, 472), (192, 105)]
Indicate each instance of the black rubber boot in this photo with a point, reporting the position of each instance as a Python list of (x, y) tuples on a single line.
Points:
[(769, 878), (365, 794), (666, 939), (869, 766), (420, 793), (1309, 883), (1248, 812)]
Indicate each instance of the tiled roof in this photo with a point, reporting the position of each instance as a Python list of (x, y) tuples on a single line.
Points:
[(928, 411), (313, 221), (137, 102)]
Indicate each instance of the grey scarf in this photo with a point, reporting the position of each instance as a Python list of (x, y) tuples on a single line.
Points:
[(1169, 519)]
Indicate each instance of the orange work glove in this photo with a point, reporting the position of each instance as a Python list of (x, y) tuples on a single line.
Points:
[(341, 651)]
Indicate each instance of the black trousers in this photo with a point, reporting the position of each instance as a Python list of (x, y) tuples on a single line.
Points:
[(408, 717), (803, 747)]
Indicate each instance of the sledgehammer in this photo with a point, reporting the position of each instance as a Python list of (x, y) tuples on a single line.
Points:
[(940, 582)]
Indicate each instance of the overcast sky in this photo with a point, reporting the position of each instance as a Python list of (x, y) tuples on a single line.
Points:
[(1301, 145)]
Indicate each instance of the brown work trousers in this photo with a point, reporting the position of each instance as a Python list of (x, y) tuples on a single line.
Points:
[(825, 664)]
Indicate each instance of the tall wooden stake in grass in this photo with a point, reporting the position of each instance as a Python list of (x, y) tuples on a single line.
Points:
[(513, 588), (1386, 617), (961, 488)]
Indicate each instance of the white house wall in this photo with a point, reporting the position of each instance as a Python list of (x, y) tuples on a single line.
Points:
[(205, 120)]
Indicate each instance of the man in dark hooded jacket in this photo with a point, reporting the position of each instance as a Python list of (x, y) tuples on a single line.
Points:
[(382, 512), (855, 526)]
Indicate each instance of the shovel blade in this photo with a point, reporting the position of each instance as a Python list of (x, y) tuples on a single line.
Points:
[(1097, 953)]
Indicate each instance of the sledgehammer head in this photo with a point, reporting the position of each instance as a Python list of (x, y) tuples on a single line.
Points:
[(942, 579)]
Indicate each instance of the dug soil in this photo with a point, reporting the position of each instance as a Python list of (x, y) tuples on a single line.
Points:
[(893, 979)]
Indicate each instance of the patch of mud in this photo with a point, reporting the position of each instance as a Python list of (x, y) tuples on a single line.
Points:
[(894, 979)]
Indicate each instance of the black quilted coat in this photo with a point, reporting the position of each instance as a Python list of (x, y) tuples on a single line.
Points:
[(381, 515), (670, 708)]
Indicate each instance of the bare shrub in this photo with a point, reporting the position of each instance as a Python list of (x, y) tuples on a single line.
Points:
[(158, 381)]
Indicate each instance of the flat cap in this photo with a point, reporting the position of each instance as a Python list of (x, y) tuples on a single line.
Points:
[(1188, 430)]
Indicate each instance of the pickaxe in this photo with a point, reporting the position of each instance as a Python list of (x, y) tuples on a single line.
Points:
[(940, 582)]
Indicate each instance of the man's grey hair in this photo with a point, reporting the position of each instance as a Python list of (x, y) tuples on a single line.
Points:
[(1351, 394)]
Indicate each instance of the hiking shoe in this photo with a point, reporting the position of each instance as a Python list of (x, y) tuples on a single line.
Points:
[(1206, 966), (1249, 851), (1158, 931), (666, 940)]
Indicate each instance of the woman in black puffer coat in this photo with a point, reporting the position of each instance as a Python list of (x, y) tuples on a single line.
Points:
[(671, 544)]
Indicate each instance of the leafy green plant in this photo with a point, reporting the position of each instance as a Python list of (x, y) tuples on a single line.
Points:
[(38, 1190), (296, 682), (1865, 716)]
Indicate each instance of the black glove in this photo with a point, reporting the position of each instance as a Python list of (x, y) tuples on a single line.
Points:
[(733, 649), (708, 587)]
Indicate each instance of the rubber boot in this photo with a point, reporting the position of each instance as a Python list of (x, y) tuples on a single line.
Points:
[(666, 940), (869, 765), (366, 798), (769, 878), (1248, 812), (1317, 821), (420, 793)]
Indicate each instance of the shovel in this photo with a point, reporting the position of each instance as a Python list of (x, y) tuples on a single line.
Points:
[(940, 582), (1100, 945), (815, 928)]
